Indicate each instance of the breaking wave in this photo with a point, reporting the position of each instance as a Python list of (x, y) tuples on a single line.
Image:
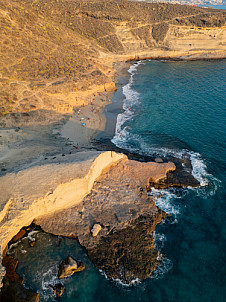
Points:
[(133, 282), (125, 139), (165, 265)]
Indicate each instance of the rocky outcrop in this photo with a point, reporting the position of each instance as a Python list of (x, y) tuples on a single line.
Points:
[(68, 267), (180, 178), (129, 253), (125, 215), (96, 229), (45, 189), (13, 289), (115, 222)]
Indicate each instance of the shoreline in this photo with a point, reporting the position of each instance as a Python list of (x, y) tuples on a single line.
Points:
[(89, 140), (108, 121), (115, 106)]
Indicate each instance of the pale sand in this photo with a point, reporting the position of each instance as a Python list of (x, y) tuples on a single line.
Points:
[(86, 121)]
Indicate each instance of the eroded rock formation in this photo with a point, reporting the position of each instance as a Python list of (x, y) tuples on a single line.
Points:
[(124, 246), (68, 267), (47, 188)]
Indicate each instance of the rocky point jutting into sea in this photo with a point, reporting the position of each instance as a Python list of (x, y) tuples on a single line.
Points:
[(59, 64)]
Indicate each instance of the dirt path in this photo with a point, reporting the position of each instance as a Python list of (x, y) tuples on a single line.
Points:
[(154, 23)]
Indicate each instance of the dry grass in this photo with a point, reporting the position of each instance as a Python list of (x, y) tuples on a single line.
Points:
[(43, 41)]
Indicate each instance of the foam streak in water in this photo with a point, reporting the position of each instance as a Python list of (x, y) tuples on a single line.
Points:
[(131, 99), (125, 139), (164, 200)]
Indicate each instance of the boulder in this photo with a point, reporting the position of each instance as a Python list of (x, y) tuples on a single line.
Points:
[(13, 289), (68, 267), (96, 229), (22, 233), (32, 243)]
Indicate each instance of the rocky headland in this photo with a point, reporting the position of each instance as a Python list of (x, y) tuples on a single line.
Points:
[(59, 61)]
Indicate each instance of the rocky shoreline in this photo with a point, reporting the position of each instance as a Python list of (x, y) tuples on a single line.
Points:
[(124, 215), (121, 265), (134, 232), (52, 171)]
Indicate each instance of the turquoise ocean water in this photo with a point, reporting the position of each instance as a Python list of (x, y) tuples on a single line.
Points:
[(174, 109), (220, 6)]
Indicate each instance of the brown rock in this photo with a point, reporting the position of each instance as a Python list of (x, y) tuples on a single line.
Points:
[(129, 253), (68, 267), (96, 229), (181, 177), (32, 243), (13, 289), (16, 292), (19, 235), (10, 265), (158, 160)]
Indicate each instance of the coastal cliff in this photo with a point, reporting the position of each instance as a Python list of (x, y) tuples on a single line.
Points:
[(44, 192), (47, 188), (57, 59), (57, 54)]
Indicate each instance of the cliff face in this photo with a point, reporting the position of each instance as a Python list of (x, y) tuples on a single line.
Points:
[(43, 192), (124, 216), (177, 42), (44, 189), (56, 54)]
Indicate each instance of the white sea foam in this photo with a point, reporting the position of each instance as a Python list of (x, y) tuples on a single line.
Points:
[(164, 267), (125, 139), (135, 281), (11, 248), (47, 278), (131, 99), (159, 239), (164, 200), (30, 234)]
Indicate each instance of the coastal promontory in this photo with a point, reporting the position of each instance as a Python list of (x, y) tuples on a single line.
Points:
[(59, 63)]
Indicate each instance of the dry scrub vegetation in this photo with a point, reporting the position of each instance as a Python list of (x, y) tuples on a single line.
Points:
[(53, 46)]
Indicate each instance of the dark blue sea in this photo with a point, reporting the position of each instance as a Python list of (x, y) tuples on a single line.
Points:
[(175, 109)]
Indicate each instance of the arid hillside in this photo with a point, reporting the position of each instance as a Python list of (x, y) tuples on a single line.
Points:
[(56, 53)]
